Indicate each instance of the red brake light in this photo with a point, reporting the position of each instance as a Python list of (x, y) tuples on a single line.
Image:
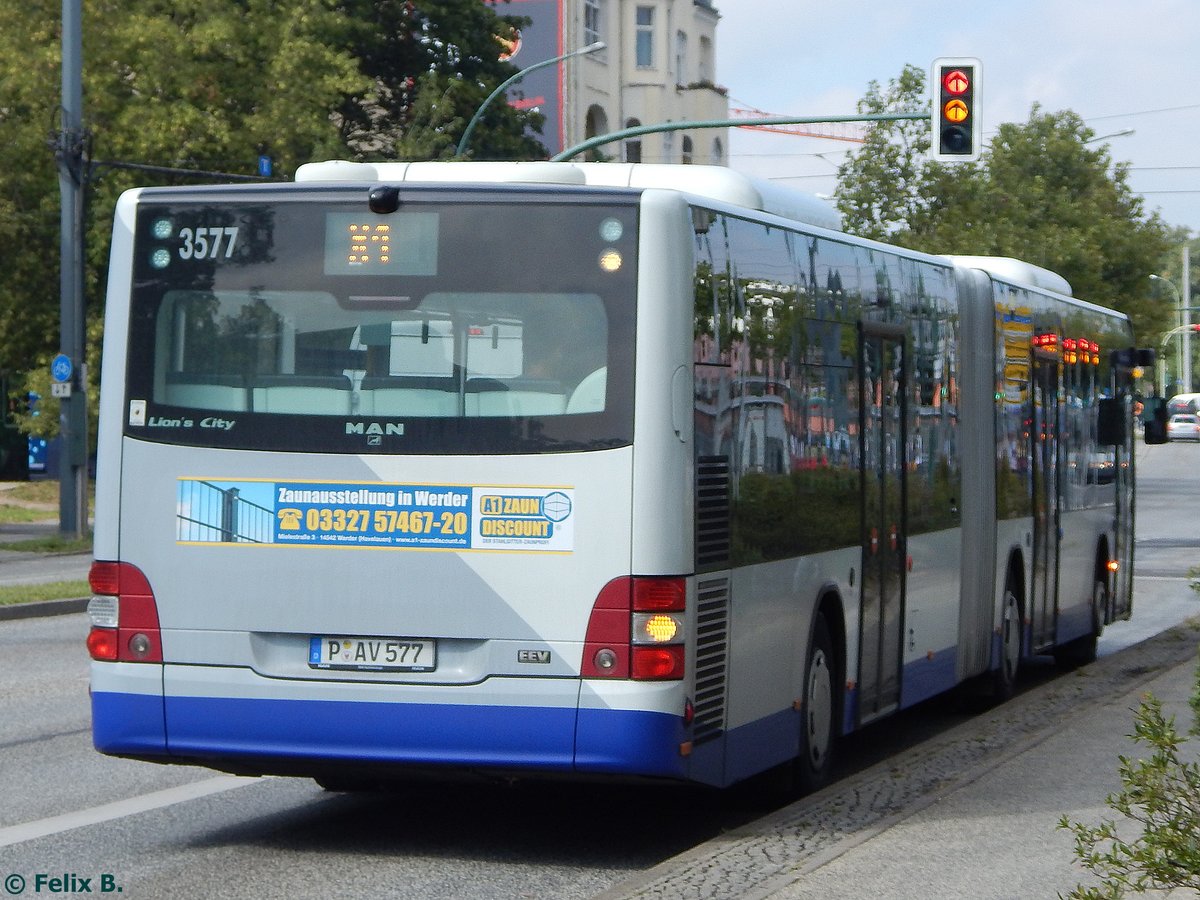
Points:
[(659, 595), (658, 663), (137, 637), (102, 643), (608, 648), (105, 577)]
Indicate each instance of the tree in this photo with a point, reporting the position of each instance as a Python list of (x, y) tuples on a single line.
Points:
[(1040, 193), (201, 86), (882, 188), (182, 84), (430, 66)]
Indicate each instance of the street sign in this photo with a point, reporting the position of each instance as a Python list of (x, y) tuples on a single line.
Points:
[(60, 389), (62, 368)]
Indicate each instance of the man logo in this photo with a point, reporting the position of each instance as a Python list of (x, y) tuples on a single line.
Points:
[(375, 429)]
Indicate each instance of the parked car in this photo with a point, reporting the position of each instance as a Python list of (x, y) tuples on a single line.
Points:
[(1183, 427), (1183, 403)]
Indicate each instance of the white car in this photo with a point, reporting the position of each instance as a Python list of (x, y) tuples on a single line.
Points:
[(1183, 427)]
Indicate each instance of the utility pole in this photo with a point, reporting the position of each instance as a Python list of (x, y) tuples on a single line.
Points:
[(70, 371), (1185, 316)]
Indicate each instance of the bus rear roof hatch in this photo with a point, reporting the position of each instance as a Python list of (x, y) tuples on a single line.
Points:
[(1017, 270)]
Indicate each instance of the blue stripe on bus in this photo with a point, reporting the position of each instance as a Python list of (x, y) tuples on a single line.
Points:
[(1073, 622), (631, 742), (128, 723), (418, 733), (539, 738), (929, 676)]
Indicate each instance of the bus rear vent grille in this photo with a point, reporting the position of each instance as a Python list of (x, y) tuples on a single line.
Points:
[(712, 512), (712, 655)]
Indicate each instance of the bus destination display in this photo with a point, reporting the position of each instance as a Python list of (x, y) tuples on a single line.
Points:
[(365, 244)]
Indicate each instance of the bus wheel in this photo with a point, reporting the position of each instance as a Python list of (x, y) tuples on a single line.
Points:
[(1004, 678), (1082, 651), (818, 731)]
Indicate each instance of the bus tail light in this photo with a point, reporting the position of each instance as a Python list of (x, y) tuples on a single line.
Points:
[(658, 663), (637, 630), (124, 615)]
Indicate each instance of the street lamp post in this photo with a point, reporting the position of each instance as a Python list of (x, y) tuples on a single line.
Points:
[(466, 135), (1162, 361)]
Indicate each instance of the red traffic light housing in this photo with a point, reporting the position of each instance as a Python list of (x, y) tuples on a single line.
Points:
[(955, 121)]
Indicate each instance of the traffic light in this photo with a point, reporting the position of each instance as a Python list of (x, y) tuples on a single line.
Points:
[(957, 132)]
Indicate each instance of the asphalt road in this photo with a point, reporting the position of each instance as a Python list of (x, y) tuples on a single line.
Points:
[(169, 832)]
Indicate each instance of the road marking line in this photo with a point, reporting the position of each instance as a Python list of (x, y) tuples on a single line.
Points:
[(28, 831)]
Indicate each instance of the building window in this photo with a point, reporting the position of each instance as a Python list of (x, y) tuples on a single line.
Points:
[(681, 60), (633, 148), (706, 57), (687, 151), (718, 153), (591, 21), (595, 124), (644, 48)]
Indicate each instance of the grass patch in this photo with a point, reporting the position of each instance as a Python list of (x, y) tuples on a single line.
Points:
[(41, 491), (50, 544), (22, 503), (16, 515), (12, 594)]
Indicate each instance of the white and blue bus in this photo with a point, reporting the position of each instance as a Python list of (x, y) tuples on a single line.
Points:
[(590, 470)]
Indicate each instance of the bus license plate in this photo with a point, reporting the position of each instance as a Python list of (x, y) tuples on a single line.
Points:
[(372, 654)]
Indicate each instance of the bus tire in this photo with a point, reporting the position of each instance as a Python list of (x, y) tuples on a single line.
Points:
[(818, 730), (1004, 677), (1082, 651)]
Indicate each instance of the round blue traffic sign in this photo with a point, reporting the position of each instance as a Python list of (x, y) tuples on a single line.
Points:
[(61, 368)]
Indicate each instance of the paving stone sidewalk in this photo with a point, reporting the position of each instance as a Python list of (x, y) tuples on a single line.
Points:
[(764, 857)]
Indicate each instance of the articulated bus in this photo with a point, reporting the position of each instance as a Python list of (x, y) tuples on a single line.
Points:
[(596, 470)]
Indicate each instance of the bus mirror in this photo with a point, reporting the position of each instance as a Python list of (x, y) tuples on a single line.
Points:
[(1110, 424), (1155, 418)]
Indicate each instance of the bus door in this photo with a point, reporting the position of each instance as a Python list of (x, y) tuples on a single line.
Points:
[(1121, 585), (883, 372), (1044, 433)]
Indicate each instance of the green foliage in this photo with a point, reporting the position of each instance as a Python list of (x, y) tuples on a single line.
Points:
[(1040, 193), (429, 66), (882, 187), (204, 86), (1161, 797)]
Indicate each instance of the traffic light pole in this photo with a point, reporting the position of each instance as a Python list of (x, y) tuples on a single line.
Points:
[(69, 151), (610, 137)]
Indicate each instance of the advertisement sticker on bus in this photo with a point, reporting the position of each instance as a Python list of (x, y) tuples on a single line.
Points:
[(385, 515)]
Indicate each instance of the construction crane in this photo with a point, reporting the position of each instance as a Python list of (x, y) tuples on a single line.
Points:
[(853, 132)]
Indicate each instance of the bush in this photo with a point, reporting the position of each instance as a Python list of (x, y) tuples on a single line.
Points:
[(1162, 796)]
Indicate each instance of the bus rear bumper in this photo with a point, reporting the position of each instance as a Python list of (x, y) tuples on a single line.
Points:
[(218, 717)]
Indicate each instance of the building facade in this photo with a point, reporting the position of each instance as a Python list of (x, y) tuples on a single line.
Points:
[(659, 66)]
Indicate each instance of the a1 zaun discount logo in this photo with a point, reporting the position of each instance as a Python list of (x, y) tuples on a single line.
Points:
[(66, 883)]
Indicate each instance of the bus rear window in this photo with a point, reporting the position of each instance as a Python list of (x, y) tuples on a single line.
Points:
[(439, 337)]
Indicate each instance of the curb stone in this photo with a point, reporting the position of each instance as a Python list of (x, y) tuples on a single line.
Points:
[(40, 608)]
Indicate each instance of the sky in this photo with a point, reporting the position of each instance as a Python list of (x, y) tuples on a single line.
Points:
[(1119, 64)]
